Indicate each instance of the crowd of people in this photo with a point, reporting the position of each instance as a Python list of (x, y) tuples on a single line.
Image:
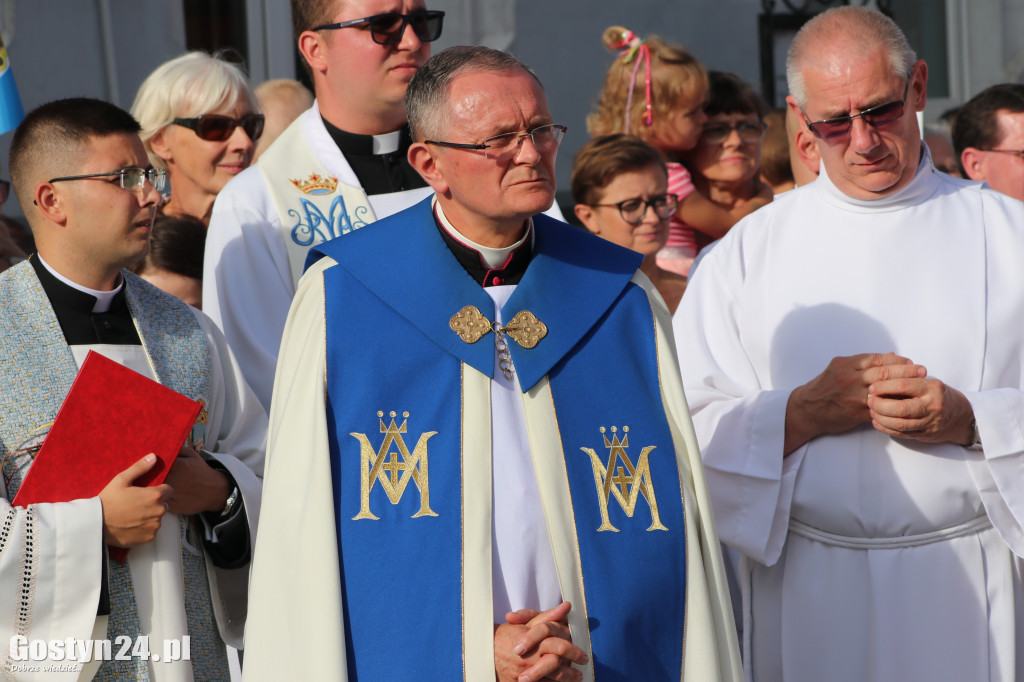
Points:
[(740, 422)]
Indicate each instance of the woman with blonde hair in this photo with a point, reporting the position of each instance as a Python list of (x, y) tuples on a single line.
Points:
[(655, 91), (200, 123)]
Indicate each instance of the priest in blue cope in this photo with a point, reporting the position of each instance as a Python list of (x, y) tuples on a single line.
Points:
[(408, 358), (460, 376)]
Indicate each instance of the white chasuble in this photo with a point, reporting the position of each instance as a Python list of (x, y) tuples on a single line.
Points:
[(300, 193)]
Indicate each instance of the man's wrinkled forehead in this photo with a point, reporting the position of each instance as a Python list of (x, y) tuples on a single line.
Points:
[(830, 77), (475, 89)]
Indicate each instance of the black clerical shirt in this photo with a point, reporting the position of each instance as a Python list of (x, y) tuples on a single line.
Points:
[(472, 261), (82, 326), (377, 173)]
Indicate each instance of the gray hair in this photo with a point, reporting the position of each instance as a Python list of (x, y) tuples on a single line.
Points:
[(193, 84), (426, 99), (868, 27)]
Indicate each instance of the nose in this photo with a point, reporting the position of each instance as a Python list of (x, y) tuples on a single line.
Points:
[(240, 139), (526, 155), (149, 194), (863, 137), (410, 42), (733, 139), (650, 216)]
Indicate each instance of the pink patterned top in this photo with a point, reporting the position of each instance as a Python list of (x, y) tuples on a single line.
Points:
[(679, 251)]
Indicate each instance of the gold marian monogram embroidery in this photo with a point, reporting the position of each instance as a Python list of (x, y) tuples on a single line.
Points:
[(393, 468), (525, 329), (626, 487)]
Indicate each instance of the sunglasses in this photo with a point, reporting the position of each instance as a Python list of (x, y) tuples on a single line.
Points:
[(883, 114), (388, 29), (717, 133), (218, 128)]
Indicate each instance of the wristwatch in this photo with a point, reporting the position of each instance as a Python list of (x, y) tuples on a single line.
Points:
[(229, 504)]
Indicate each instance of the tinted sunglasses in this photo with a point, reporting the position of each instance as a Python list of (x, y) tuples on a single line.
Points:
[(217, 128), (388, 29), (717, 133), (881, 115)]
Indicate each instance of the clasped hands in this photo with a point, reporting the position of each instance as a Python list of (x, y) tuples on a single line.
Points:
[(535, 645), (886, 390), (132, 514)]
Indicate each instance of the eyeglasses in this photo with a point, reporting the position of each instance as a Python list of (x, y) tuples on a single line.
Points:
[(545, 138), (633, 211), (717, 133), (1017, 152), (131, 178), (217, 128), (883, 114), (388, 29), (5, 190)]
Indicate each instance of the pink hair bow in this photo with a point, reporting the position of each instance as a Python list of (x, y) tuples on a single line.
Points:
[(631, 46)]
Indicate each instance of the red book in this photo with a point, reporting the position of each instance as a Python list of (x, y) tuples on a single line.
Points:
[(111, 418)]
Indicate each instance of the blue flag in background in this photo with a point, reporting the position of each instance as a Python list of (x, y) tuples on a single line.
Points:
[(11, 111)]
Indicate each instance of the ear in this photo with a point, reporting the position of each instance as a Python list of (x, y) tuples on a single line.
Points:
[(807, 149), (919, 84), (586, 215), (798, 113), (422, 159), (158, 143), (51, 203), (312, 48), (973, 163)]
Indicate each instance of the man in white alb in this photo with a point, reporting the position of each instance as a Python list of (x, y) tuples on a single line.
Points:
[(853, 360)]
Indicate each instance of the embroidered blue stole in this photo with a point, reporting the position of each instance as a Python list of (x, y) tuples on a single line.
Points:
[(38, 371), (395, 408)]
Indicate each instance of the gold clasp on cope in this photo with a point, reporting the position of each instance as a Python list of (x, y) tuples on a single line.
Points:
[(525, 329)]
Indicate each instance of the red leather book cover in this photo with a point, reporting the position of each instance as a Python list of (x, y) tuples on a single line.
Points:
[(111, 418)]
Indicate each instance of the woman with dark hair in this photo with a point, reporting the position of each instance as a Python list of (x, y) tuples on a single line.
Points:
[(620, 186), (726, 162), (175, 259)]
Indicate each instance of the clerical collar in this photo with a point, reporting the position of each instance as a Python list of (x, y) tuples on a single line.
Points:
[(488, 266), (366, 145), (101, 299), (923, 185), (379, 162), (76, 311)]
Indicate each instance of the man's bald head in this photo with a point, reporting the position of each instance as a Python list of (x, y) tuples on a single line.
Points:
[(849, 32), (53, 138)]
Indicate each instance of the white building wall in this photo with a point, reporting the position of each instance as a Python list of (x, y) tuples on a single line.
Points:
[(62, 48)]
